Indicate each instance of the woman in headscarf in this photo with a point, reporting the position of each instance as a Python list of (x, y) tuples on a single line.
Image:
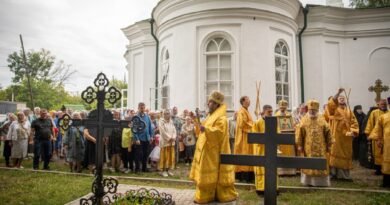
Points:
[(19, 132), (74, 143), (7, 141)]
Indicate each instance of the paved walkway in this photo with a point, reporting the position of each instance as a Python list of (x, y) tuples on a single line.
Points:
[(180, 196)]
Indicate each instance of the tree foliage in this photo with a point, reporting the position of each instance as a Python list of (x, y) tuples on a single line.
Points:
[(39, 64), (369, 3), (47, 80), (46, 94)]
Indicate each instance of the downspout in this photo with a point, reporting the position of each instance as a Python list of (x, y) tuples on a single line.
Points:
[(305, 12), (157, 48)]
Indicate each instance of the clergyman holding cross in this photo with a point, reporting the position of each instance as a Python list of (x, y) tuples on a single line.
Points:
[(214, 182), (344, 127)]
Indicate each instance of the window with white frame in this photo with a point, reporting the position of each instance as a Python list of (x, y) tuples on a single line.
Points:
[(164, 89), (218, 53), (282, 72)]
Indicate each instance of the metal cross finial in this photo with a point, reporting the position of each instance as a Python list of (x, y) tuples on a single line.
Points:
[(271, 161), (378, 89)]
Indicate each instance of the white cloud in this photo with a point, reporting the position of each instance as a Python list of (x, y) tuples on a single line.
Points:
[(83, 33)]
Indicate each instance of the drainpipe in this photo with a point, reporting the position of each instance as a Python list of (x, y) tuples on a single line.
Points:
[(157, 48), (305, 12)]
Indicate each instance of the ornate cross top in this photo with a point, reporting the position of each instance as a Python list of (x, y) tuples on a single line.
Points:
[(270, 161), (101, 119), (378, 89)]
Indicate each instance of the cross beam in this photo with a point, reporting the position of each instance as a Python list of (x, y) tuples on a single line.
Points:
[(270, 161)]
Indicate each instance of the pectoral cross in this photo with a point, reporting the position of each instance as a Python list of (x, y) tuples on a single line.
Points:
[(378, 89)]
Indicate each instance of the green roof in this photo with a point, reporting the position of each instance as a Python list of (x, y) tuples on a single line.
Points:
[(75, 107)]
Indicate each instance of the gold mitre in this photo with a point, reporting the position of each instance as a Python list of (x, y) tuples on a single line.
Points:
[(313, 105), (283, 103), (217, 97)]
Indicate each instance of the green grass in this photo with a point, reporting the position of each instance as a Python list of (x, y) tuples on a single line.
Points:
[(21, 187), (25, 187)]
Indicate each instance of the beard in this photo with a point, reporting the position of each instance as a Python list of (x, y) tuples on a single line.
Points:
[(312, 116)]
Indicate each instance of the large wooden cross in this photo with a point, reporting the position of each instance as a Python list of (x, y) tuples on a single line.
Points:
[(270, 161), (102, 121), (378, 89)]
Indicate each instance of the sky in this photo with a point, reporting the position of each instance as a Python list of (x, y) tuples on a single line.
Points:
[(83, 33)]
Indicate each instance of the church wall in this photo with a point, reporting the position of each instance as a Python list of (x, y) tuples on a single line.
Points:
[(333, 62), (313, 68), (346, 48), (367, 59), (253, 43)]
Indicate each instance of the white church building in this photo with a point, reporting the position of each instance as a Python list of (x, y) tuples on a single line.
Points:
[(191, 47)]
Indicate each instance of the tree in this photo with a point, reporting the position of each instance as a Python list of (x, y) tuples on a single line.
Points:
[(369, 3), (38, 62), (61, 73), (46, 94), (46, 78), (120, 85)]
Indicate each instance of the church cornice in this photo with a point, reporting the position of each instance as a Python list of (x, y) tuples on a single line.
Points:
[(237, 13), (347, 16), (347, 34), (141, 44), (137, 29), (169, 9)]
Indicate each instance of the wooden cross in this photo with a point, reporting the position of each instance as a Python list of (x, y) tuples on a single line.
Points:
[(270, 161), (102, 121), (378, 89)]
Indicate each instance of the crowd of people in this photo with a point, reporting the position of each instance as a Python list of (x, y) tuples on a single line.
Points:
[(39, 135), (337, 134)]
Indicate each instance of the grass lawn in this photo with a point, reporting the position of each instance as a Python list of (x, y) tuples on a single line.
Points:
[(25, 187)]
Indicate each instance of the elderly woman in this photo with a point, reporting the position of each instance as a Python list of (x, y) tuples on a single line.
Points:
[(167, 143), (74, 143), (188, 132), (18, 134), (7, 140)]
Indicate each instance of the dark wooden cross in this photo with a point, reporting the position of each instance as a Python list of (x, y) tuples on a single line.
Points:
[(270, 161), (102, 120), (378, 89)]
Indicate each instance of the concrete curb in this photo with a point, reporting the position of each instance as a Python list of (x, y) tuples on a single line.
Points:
[(188, 182)]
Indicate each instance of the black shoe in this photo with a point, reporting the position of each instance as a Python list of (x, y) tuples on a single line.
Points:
[(260, 193), (146, 170), (348, 180), (46, 168)]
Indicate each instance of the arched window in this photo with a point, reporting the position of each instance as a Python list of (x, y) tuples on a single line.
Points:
[(282, 72), (164, 81), (218, 54)]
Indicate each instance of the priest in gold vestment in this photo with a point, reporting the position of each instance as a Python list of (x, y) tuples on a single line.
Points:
[(381, 134), (344, 127), (259, 127), (244, 125), (214, 181), (372, 120), (287, 150), (313, 139)]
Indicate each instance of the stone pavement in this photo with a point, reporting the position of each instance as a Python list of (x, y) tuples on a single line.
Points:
[(180, 196)]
